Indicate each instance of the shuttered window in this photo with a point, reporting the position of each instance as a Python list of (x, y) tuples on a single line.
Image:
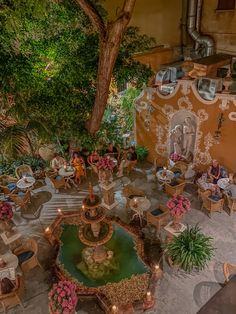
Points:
[(226, 5)]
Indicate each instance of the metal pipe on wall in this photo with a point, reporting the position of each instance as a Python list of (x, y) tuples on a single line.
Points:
[(198, 20), (207, 41)]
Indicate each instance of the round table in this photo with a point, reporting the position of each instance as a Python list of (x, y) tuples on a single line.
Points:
[(67, 171), (25, 183), (167, 178), (139, 205), (223, 183)]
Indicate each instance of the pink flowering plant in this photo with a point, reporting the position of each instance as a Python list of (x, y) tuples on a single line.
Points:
[(178, 205), (175, 157), (63, 297), (5, 211), (105, 163)]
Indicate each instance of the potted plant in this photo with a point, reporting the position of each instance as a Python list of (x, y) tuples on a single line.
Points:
[(105, 166), (141, 152), (63, 298), (178, 206), (191, 250), (6, 215)]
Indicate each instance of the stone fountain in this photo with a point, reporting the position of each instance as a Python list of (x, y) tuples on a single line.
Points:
[(95, 233)]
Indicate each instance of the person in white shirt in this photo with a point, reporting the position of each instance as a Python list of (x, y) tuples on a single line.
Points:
[(57, 162)]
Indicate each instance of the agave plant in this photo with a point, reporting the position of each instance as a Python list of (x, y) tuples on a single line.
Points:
[(190, 250)]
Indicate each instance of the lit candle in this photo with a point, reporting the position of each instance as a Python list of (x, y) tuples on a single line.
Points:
[(114, 309), (59, 211), (83, 207), (65, 167), (149, 296), (47, 230), (157, 267)]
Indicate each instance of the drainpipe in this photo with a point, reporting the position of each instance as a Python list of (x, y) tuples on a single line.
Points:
[(207, 41), (198, 20), (184, 25)]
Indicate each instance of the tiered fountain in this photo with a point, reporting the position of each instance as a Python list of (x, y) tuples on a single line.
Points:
[(97, 260)]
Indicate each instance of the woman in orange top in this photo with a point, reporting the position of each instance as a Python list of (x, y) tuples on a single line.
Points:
[(78, 163)]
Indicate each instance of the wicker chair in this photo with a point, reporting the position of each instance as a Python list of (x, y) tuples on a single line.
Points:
[(56, 183), (176, 189), (32, 246), (24, 169), (4, 181), (13, 298), (211, 205), (180, 165), (160, 219), (130, 191), (21, 201), (229, 271), (230, 203)]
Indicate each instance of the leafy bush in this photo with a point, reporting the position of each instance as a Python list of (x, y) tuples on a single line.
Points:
[(142, 152), (9, 167), (191, 249)]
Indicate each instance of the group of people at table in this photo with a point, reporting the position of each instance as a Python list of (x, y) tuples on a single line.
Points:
[(80, 160), (216, 179)]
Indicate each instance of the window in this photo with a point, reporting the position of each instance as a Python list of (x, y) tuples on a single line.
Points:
[(226, 5)]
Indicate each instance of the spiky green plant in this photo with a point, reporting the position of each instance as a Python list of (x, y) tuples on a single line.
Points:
[(191, 249)]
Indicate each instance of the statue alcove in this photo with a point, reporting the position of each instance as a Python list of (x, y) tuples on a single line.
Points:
[(182, 134)]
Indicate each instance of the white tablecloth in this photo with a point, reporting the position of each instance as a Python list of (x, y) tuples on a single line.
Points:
[(68, 172), (25, 183), (223, 183), (169, 176)]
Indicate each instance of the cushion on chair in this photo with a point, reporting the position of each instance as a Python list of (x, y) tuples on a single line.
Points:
[(58, 178), (157, 212), (214, 197), (25, 256), (21, 194), (177, 173), (11, 186)]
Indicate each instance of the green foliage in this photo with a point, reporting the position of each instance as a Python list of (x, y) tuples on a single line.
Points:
[(8, 168), (142, 152), (191, 249), (49, 55)]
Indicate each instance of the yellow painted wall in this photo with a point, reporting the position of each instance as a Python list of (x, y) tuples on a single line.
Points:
[(221, 25), (224, 151), (157, 18)]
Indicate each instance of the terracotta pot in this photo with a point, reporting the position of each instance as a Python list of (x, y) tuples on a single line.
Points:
[(52, 312), (105, 176)]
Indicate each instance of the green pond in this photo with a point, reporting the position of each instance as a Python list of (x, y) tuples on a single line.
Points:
[(121, 243)]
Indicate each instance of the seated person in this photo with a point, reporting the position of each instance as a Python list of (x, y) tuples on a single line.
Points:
[(57, 162), (231, 188), (93, 159), (112, 150), (78, 163), (129, 161), (214, 172), (203, 182), (6, 286)]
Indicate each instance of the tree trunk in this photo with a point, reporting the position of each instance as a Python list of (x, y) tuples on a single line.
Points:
[(110, 40)]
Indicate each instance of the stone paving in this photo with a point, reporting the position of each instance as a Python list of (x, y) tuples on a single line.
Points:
[(176, 293)]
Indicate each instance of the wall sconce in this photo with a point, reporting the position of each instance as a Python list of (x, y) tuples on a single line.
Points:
[(220, 119)]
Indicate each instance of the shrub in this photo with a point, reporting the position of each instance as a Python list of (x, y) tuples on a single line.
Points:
[(191, 249), (142, 152)]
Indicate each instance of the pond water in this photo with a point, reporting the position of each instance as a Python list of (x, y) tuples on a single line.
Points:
[(121, 243)]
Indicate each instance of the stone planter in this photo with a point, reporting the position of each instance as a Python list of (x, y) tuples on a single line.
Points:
[(177, 220), (52, 312), (105, 176)]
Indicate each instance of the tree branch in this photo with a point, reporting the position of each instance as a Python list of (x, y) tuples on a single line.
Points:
[(93, 15)]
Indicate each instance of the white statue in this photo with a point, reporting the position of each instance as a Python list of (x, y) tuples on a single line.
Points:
[(188, 135), (177, 139)]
